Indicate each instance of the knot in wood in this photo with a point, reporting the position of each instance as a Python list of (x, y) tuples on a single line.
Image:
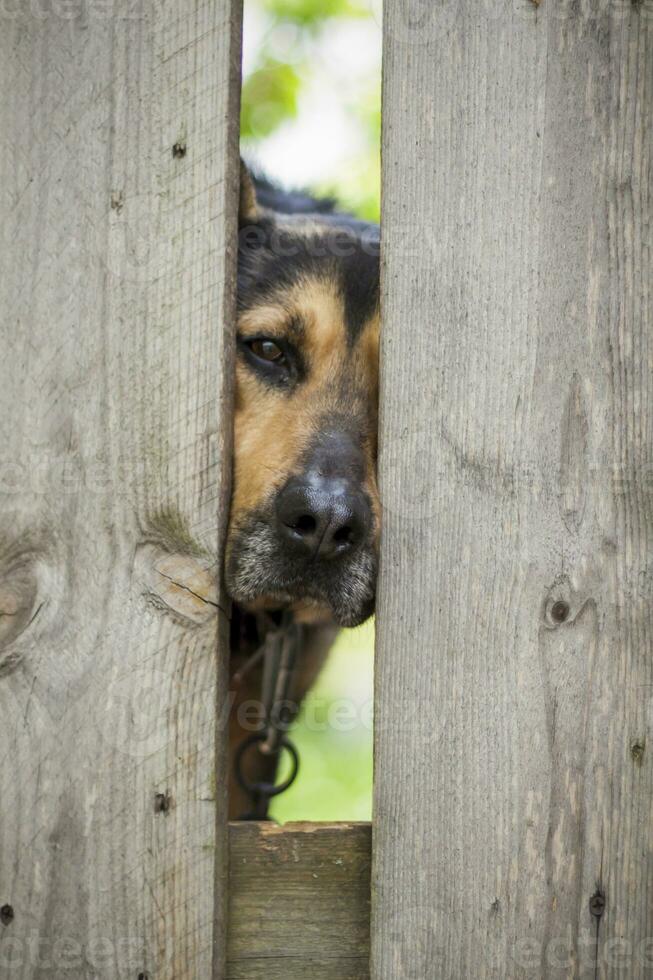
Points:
[(560, 611)]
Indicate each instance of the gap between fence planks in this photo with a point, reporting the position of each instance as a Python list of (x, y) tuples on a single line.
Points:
[(299, 901)]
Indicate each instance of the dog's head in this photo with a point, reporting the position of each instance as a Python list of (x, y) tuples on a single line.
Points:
[(305, 512)]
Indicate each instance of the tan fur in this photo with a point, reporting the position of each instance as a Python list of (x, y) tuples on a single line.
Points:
[(273, 428), (367, 363)]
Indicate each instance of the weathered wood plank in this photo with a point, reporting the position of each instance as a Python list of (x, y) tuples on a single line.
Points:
[(299, 901), (115, 286), (514, 771), (300, 968)]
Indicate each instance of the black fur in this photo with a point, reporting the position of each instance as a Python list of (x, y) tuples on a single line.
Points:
[(276, 250), (269, 195)]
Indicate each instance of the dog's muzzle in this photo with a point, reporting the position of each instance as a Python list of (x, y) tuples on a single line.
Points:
[(322, 518), (315, 539)]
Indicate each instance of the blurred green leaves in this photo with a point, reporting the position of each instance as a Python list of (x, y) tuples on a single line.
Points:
[(312, 13), (269, 97), (334, 737), (286, 64)]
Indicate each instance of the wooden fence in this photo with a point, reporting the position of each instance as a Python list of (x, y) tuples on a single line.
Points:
[(119, 182), (513, 819)]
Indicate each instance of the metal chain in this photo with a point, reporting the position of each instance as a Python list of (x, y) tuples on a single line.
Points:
[(279, 652)]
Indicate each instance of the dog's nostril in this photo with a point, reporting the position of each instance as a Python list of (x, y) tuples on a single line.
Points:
[(343, 535), (322, 518), (305, 524)]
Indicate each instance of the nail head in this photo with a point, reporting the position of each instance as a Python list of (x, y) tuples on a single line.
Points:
[(6, 914), (161, 803), (597, 904), (637, 751)]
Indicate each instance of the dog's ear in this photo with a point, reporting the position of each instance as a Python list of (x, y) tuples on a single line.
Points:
[(248, 212)]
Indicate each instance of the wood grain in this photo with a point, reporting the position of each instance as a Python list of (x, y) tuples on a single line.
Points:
[(117, 297), (513, 757), (299, 901)]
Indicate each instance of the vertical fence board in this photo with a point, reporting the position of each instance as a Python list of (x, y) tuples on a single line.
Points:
[(514, 745), (118, 183)]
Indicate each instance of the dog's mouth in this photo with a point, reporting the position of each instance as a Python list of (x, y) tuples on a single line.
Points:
[(260, 572)]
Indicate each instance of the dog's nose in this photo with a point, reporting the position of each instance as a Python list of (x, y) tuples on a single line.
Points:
[(321, 516)]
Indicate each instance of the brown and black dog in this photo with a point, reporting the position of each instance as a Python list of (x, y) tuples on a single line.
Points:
[(305, 518)]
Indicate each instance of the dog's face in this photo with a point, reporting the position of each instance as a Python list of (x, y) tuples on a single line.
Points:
[(305, 511)]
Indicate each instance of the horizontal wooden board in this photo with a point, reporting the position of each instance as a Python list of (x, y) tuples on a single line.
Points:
[(299, 901)]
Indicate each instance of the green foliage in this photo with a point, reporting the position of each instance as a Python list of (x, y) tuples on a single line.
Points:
[(269, 97), (334, 737), (312, 13), (284, 68)]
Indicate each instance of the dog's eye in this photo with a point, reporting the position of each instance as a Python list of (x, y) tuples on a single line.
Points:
[(267, 350), (275, 362)]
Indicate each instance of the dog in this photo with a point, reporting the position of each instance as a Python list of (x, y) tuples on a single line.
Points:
[(305, 516)]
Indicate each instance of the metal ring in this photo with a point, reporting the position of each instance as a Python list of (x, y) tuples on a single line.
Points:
[(263, 788)]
